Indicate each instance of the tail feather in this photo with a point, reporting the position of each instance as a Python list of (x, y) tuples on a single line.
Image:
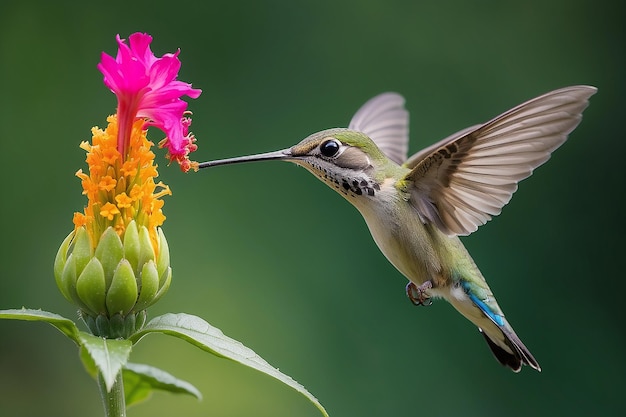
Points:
[(485, 313), (520, 354)]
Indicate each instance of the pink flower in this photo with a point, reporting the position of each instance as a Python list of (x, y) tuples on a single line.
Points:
[(146, 87)]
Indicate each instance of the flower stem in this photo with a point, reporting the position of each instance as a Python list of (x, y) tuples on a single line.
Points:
[(114, 401)]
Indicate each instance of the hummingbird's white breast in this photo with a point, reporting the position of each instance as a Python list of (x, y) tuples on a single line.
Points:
[(401, 236)]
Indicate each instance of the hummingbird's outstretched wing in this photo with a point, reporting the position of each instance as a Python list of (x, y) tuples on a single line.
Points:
[(464, 180), (417, 157), (385, 120)]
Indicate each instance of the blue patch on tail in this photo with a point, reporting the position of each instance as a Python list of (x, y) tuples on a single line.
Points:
[(498, 319)]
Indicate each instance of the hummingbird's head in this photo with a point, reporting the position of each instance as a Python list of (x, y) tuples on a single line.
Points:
[(346, 160)]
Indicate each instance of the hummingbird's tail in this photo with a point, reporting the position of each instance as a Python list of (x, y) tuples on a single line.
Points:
[(519, 354), (505, 345)]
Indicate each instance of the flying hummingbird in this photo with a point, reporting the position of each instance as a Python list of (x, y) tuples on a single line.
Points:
[(416, 208)]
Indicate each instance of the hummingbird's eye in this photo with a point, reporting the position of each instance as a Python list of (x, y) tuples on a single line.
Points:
[(330, 148)]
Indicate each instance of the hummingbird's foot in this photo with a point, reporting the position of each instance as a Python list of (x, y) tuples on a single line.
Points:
[(417, 295)]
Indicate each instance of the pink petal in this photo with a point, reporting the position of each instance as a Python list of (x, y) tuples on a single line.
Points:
[(146, 87)]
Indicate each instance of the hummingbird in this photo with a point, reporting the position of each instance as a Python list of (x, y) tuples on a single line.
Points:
[(417, 207)]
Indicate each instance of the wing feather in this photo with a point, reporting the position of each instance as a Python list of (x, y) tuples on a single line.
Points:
[(385, 120), (465, 179)]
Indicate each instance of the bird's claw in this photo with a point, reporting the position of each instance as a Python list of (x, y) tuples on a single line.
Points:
[(417, 295)]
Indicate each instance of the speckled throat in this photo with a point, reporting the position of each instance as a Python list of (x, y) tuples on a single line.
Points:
[(348, 182)]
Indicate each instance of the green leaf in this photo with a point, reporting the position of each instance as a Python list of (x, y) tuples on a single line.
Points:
[(66, 326), (206, 337), (106, 355), (141, 380), (88, 363), (109, 355)]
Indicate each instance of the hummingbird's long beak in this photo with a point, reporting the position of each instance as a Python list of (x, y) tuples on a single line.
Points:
[(283, 154)]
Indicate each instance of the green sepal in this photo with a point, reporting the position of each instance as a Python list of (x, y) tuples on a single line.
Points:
[(164, 282), (149, 285), (67, 283), (140, 319), (91, 287), (116, 326), (130, 322), (146, 251), (81, 249), (102, 326), (59, 263), (122, 293), (110, 252), (90, 322), (163, 261), (141, 380), (131, 246), (165, 276)]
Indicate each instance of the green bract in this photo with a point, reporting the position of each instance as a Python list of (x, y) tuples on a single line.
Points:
[(114, 283)]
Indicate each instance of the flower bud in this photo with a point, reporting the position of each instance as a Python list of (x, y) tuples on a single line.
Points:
[(113, 283)]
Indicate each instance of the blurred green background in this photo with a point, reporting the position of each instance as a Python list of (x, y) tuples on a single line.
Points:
[(275, 259)]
